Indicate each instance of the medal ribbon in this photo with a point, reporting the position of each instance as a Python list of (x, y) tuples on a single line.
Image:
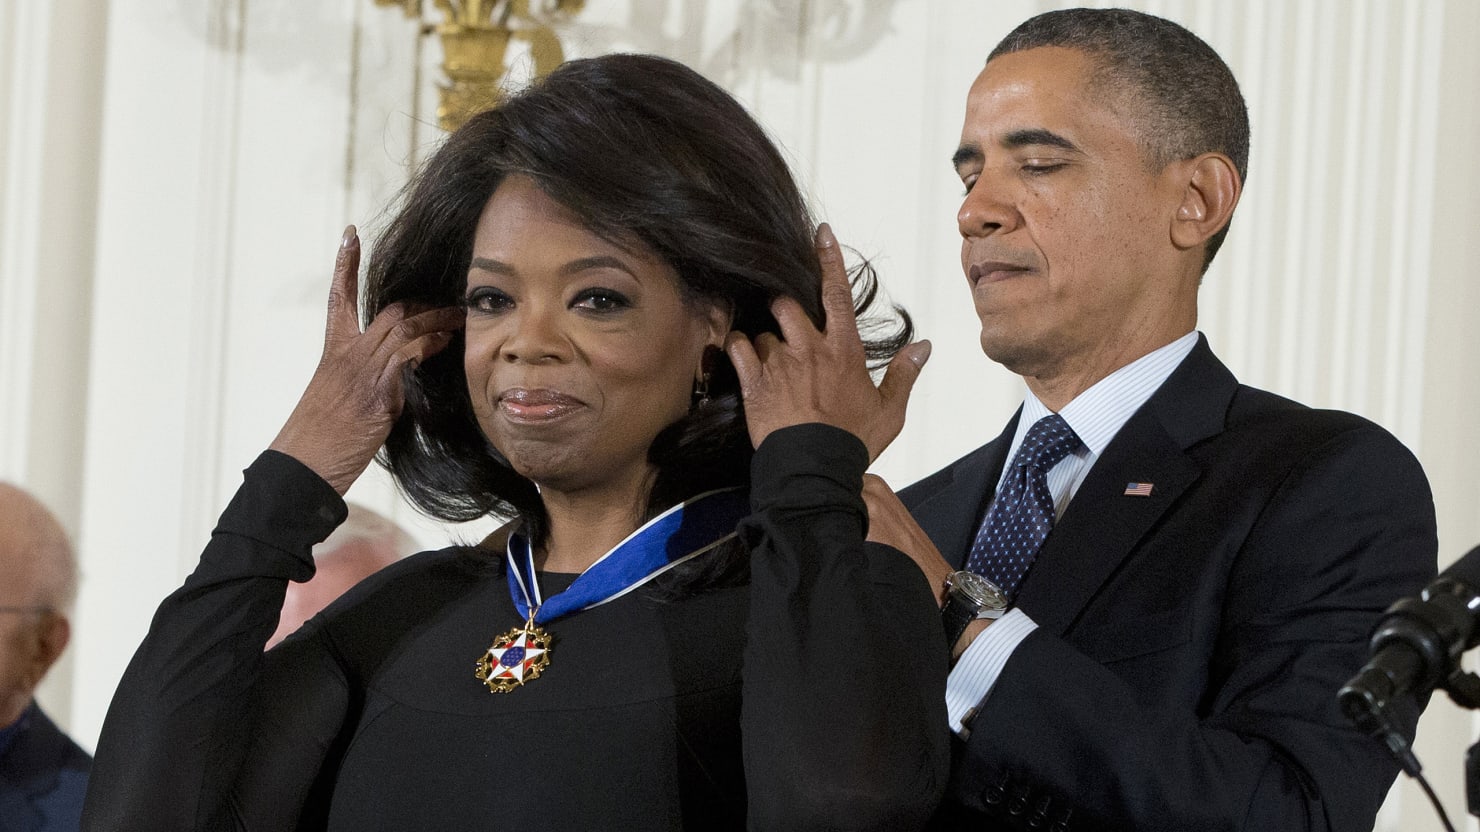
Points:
[(685, 531)]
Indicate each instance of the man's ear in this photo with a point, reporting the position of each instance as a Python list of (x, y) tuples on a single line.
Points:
[(1211, 188), (45, 645)]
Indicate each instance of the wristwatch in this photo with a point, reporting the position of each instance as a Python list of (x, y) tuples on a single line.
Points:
[(969, 597)]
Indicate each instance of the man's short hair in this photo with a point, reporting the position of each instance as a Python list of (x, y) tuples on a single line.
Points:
[(36, 543), (1187, 99)]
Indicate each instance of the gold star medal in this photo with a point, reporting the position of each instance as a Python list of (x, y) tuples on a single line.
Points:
[(687, 530), (515, 658)]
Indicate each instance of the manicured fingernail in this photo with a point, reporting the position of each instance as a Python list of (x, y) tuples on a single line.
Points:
[(918, 353), (351, 235), (825, 235)]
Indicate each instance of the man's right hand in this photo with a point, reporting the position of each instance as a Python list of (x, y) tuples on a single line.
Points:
[(890, 523)]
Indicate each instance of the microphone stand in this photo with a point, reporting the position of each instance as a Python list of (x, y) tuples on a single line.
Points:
[(1383, 707), (1417, 648), (1464, 688), (1376, 715)]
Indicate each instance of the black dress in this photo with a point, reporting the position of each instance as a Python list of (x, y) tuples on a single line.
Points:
[(802, 691)]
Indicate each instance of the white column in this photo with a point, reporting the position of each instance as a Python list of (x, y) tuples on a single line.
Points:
[(51, 58)]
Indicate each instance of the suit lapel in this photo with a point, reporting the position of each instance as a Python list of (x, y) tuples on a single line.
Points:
[(950, 514), (1103, 524)]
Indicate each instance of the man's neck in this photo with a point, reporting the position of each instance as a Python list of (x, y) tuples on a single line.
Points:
[(11, 722), (1064, 383)]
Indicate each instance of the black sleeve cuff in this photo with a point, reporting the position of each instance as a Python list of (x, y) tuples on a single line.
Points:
[(283, 505), (808, 466)]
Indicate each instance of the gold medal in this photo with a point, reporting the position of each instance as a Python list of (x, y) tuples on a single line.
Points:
[(516, 657), (684, 531)]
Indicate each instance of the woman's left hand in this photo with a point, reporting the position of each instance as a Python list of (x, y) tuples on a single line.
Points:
[(811, 376)]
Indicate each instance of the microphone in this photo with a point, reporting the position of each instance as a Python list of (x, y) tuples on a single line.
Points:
[(1416, 649)]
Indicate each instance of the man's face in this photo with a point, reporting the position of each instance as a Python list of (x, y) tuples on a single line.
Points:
[(20, 620), (17, 637), (1065, 228), (32, 632)]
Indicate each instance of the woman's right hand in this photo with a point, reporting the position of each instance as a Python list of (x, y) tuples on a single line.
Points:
[(356, 393)]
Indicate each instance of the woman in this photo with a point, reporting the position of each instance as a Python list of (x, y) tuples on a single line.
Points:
[(671, 634)]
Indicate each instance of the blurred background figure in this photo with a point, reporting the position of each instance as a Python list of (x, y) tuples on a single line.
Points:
[(43, 773), (362, 546)]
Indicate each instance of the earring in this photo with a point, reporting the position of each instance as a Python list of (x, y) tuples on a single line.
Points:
[(701, 391)]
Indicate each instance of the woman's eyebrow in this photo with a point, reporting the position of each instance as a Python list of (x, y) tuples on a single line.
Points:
[(489, 265), (599, 261)]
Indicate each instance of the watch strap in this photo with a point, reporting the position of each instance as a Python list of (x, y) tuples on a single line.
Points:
[(955, 616)]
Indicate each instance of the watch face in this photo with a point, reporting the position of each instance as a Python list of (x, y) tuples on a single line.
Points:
[(981, 591)]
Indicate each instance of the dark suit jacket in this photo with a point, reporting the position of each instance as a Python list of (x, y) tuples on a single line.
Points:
[(1191, 643), (43, 776)]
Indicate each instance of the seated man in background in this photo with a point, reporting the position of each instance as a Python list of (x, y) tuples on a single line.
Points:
[(43, 773), (365, 544)]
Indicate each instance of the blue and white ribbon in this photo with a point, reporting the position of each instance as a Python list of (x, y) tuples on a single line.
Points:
[(679, 534)]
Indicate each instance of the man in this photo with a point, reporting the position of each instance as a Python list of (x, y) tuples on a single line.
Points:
[(362, 545), (1155, 579), (43, 773), (1191, 567)]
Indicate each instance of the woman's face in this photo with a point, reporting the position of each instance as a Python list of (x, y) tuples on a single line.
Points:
[(579, 351)]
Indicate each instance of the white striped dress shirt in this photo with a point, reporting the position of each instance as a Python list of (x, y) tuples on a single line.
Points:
[(1096, 415)]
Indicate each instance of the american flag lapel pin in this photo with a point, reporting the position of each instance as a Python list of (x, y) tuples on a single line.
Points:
[(1138, 489)]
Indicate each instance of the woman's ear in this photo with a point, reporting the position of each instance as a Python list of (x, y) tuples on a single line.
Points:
[(718, 318), (1210, 191)]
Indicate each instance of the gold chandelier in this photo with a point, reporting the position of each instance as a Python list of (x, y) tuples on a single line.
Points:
[(475, 36)]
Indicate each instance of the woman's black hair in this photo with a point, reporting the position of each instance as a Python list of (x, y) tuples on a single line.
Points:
[(637, 147)]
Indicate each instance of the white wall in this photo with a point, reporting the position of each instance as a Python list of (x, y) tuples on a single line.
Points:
[(51, 65), (174, 175)]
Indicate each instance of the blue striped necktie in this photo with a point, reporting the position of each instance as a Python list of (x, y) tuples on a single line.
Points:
[(1023, 512)]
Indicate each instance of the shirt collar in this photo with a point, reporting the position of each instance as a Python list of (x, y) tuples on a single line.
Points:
[(1098, 414)]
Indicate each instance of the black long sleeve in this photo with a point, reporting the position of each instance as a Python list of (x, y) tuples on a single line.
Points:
[(810, 698), (844, 715), (177, 730)]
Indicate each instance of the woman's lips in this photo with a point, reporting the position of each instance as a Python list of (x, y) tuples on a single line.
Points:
[(523, 405)]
